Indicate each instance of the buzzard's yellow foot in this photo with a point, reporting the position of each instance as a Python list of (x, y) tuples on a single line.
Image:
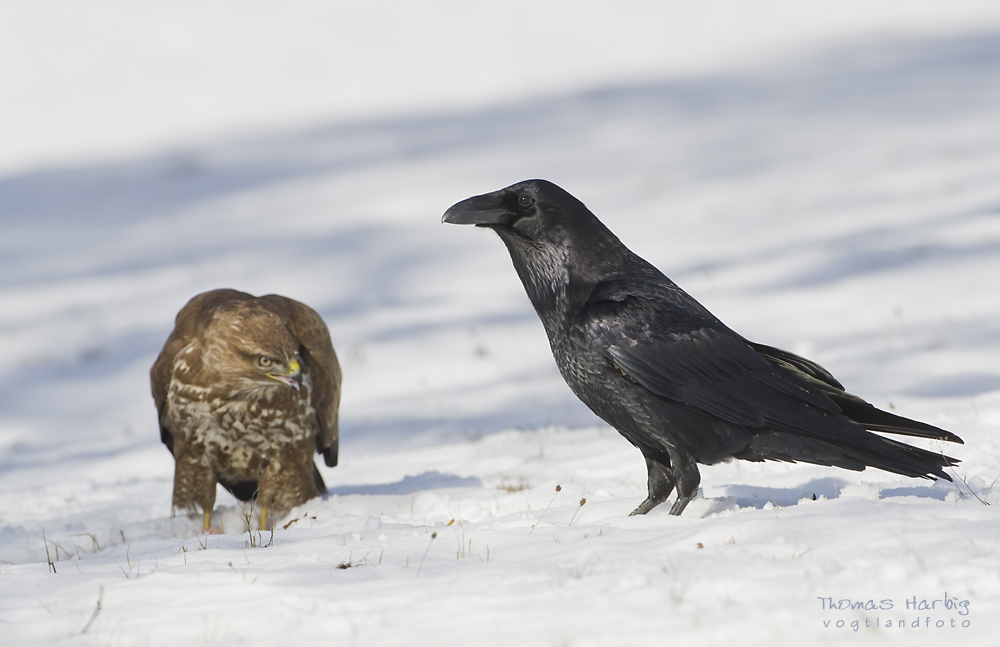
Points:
[(263, 519), (208, 526)]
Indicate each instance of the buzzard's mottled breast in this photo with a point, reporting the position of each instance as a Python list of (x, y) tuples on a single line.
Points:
[(247, 389), (237, 436)]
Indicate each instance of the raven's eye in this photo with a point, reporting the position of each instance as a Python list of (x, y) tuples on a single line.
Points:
[(265, 362), (524, 200)]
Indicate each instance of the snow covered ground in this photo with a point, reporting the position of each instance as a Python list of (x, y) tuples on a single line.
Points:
[(839, 200)]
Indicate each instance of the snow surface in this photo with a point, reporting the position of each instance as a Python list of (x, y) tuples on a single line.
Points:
[(842, 202)]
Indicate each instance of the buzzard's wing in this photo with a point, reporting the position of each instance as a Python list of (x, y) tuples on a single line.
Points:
[(159, 381), (319, 356), (185, 331)]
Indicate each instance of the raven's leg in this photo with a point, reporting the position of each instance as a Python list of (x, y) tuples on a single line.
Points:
[(660, 484), (686, 476)]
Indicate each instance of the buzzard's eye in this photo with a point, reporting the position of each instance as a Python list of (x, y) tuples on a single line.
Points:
[(265, 362), (524, 201)]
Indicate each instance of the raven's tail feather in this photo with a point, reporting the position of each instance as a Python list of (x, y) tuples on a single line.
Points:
[(869, 450), (865, 415), (857, 410), (893, 456)]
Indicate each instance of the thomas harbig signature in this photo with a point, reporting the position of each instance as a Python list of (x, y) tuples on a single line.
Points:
[(946, 611)]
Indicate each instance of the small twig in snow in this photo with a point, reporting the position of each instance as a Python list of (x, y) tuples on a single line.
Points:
[(991, 487), (433, 537), (47, 556), (558, 490), (973, 493), (97, 610)]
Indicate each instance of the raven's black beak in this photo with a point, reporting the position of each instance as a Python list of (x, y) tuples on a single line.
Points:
[(482, 210)]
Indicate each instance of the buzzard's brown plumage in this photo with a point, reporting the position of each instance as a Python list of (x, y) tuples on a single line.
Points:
[(247, 388)]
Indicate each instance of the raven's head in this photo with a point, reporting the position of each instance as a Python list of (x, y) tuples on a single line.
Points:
[(558, 246), (535, 211)]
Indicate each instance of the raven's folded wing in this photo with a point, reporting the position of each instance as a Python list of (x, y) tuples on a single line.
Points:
[(666, 342), (669, 344)]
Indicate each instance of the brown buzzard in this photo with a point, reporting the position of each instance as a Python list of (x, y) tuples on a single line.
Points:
[(247, 388)]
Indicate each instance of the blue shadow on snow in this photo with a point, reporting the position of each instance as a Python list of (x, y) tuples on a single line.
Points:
[(427, 481)]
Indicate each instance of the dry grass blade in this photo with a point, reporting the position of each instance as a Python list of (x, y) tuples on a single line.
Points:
[(558, 490), (97, 610), (577, 511), (48, 557), (433, 537)]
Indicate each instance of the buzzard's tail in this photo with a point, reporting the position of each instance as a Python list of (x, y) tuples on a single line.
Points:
[(242, 490), (318, 480), (247, 490)]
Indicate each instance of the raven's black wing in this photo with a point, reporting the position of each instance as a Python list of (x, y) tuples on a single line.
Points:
[(667, 342), (856, 409)]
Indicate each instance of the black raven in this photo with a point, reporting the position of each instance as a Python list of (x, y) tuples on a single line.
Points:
[(666, 373)]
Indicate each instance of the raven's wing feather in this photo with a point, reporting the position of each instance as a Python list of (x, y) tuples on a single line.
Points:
[(671, 345), (855, 408), (664, 340), (804, 367)]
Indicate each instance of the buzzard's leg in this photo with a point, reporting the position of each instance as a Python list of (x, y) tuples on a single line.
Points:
[(268, 489), (194, 485), (687, 477), (659, 482), (263, 519), (282, 489)]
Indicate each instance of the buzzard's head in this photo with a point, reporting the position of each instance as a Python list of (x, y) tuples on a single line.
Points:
[(251, 349)]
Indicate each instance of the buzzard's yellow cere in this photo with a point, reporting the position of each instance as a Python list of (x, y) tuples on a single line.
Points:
[(247, 389)]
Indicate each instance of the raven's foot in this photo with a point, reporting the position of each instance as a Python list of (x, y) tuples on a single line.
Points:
[(680, 504), (646, 506), (659, 482), (675, 510)]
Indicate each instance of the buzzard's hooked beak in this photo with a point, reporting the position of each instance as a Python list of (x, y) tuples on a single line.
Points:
[(292, 378), (482, 210)]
